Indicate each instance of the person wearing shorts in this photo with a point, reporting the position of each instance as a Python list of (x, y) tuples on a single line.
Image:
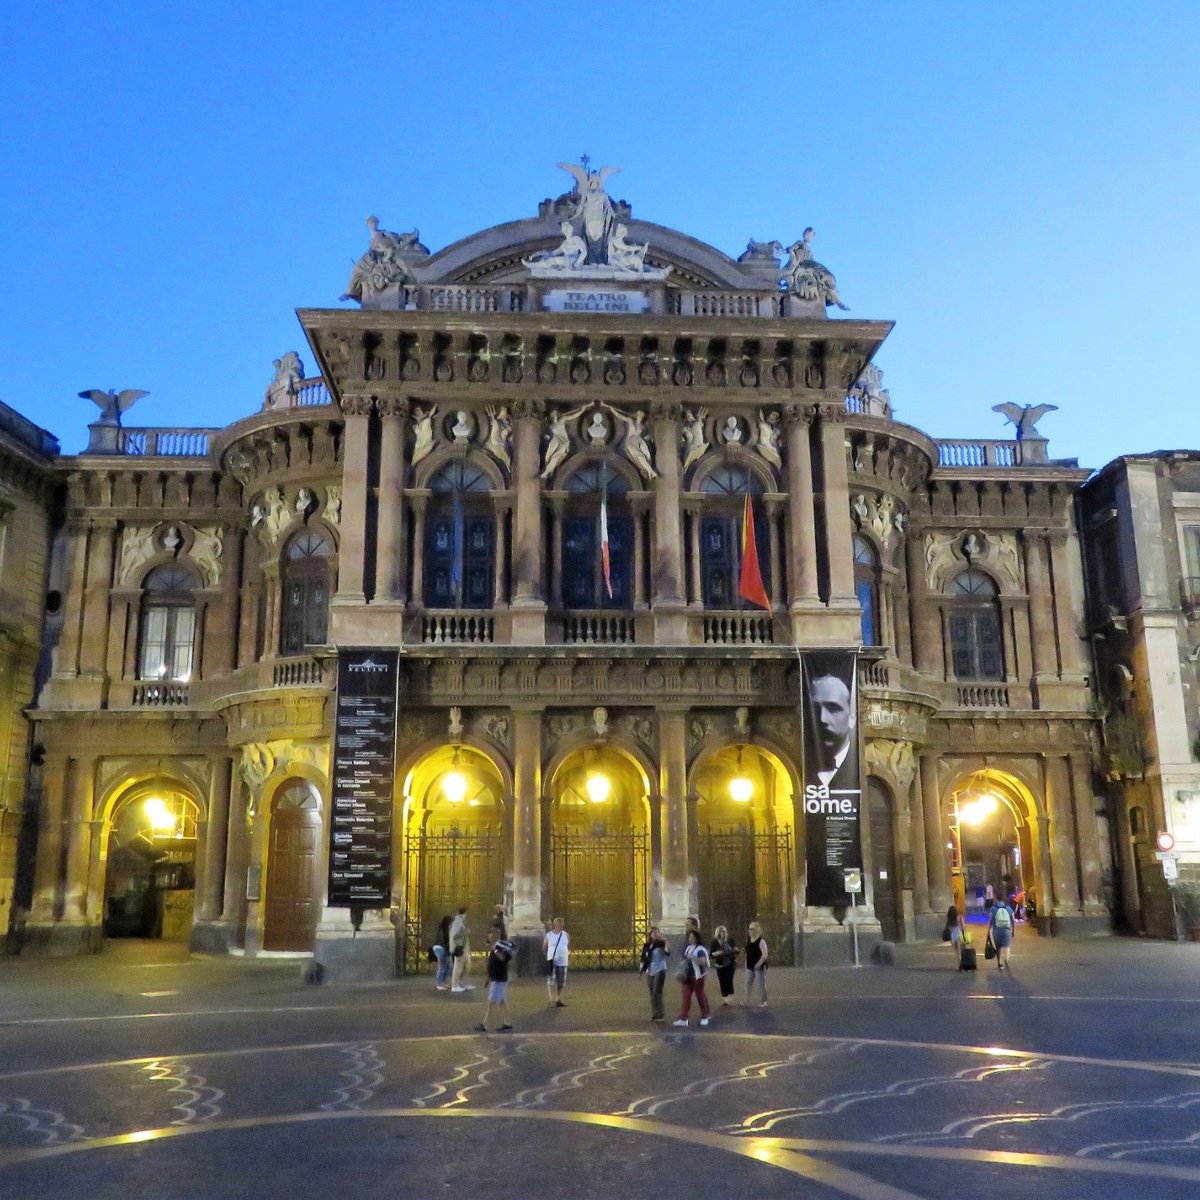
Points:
[(556, 946), (1000, 931), (499, 955)]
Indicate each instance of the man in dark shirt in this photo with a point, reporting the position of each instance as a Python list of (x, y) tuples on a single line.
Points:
[(499, 955)]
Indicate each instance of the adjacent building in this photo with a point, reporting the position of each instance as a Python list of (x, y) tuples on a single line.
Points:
[(535, 464), (1140, 518)]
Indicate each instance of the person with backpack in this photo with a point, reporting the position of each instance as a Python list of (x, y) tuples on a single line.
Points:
[(1000, 932)]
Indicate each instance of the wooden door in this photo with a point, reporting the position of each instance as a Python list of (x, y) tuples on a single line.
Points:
[(292, 897), (884, 862)]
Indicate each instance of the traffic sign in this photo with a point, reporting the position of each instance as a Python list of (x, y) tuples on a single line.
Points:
[(853, 881), (1165, 841)]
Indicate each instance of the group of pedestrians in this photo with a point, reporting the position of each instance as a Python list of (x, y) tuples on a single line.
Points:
[(451, 950), (998, 938), (696, 960)]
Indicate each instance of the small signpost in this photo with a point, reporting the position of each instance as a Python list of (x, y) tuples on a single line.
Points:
[(853, 883)]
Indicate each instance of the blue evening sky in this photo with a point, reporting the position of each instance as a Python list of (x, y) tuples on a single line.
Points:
[(1015, 185)]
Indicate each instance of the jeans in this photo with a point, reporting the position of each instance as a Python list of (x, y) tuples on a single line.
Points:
[(693, 987), (759, 973), (655, 984), (443, 965)]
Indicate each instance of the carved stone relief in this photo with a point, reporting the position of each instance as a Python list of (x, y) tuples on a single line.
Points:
[(207, 545), (137, 547), (893, 759), (948, 553)]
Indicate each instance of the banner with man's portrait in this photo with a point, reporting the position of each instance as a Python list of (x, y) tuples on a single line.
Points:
[(832, 799)]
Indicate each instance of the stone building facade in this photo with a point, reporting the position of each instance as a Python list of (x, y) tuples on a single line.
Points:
[(28, 505), (523, 462), (1140, 518)]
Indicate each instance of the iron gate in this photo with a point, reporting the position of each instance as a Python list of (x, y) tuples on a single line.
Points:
[(599, 887), (444, 871), (744, 877)]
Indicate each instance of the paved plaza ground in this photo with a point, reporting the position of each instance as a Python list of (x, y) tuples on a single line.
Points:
[(144, 1072)]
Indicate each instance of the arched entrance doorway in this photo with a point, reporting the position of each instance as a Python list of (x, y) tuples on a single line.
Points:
[(453, 847), (745, 854), (150, 875), (293, 861), (994, 839), (885, 881), (599, 856)]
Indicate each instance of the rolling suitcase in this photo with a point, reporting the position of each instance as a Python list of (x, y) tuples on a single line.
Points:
[(966, 960)]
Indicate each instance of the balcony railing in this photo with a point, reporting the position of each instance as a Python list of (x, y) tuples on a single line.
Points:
[(298, 672), (175, 443), (738, 629), (982, 695), (458, 628), (598, 628), (978, 454), (160, 695)]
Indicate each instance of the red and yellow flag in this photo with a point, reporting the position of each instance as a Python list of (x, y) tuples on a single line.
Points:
[(750, 585)]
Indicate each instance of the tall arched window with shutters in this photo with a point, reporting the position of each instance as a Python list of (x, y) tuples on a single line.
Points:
[(460, 539), (308, 565), (973, 616), (583, 584), (725, 490), (167, 633), (866, 588)]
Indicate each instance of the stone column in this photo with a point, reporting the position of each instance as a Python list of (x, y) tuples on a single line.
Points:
[(253, 598), (801, 524), (48, 870), (640, 603), (926, 622), (775, 558), (1086, 834), (211, 886), (916, 809), (696, 600), (355, 456), (94, 647), (417, 501), (226, 649), (66, 657), (529, 626), (1070, 651), (500, 579), (391, 568), (1064, 865), (675, 858), (666, 569), (936, 858), (556, 518), (1040, 610), (527, 823), (237, 857), (839, 534), (79, 842)]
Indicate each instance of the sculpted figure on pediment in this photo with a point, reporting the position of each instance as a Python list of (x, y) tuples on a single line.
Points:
[(808, 279), (385, 264), (499, 438), (768, 437), (692, 436), (333, 503), (137, 546), (269, 515), (422, 420), (892, 758), (285, 387), (207, 545), (558, 439), (636, 441)]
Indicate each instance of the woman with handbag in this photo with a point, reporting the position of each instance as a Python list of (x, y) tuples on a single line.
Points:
[(556, 946), (724, 957), (690, 973)]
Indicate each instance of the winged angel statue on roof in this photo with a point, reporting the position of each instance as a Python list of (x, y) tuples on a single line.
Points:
[(593, 208)]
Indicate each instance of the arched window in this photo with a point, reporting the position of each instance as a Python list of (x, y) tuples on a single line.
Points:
[(168, 624), (866, 588), (460, 542), (307, 576), (721, 547), (583, 581), (974, 617)]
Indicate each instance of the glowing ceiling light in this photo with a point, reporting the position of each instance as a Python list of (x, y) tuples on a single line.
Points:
[(741, 789), (454, 786), (162, 819), (598, 788)]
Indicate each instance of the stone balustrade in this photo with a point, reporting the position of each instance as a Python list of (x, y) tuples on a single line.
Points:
[(737, 629)]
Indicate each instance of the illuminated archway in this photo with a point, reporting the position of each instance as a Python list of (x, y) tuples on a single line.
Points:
[(453, 843), (745, 844), (149, 860), (598, 850), (995, 837)]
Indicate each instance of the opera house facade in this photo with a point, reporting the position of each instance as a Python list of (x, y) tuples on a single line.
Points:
[(586, 573)]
